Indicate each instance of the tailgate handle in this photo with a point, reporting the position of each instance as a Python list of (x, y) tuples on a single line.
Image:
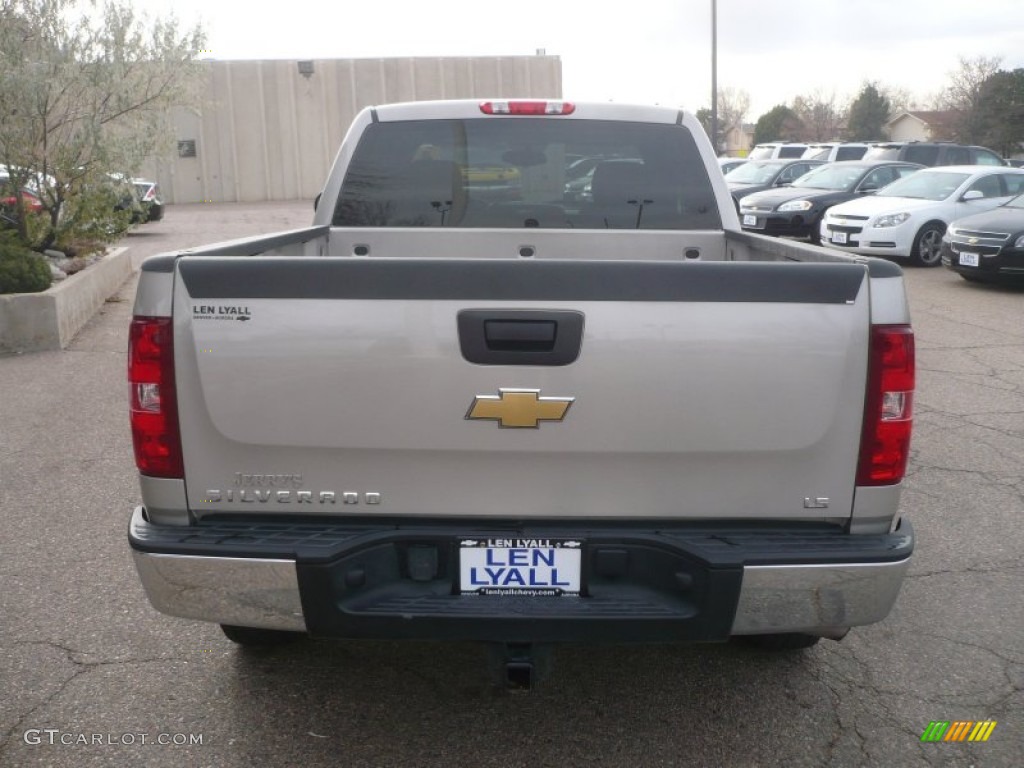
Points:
[(520, 337)]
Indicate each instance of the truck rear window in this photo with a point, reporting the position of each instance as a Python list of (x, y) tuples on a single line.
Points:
[(527, 172)]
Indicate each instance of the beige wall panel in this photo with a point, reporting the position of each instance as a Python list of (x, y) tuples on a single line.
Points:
[(221, 139), (265, 131)]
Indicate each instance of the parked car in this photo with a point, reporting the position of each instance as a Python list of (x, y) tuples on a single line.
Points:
[(580, 177), (9, 196), (757, 175), (730, 163), (933, 153), (775, 150), (148, 193), (1015, 162), (908, 218), (124, 196), (797, 210), (988, 247), (835, 151)]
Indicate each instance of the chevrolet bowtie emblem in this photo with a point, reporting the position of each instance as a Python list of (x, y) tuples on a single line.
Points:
[(972, 240), (519, 408)]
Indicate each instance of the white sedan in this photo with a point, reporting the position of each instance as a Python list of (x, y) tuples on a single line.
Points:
[(908, 217)]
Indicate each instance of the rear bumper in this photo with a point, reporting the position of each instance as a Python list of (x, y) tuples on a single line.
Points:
[(644, 584), (783, 224), (1008, 263)]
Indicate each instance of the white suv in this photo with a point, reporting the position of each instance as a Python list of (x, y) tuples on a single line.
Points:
[(833, 151), (777, 150), (908, 217)]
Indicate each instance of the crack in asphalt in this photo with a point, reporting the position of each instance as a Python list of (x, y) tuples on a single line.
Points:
[(979, 646), (996, 568), (836, 696), (984, 380), (942, 313), (915, 468), (1013, 434), (81, 668)]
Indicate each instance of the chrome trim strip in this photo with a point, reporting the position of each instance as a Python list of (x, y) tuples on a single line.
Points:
[(246, 592), (819, 599)]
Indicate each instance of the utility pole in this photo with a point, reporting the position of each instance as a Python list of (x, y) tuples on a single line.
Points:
[(714, 75)]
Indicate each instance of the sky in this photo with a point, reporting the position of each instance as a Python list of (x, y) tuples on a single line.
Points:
[(641, 51)]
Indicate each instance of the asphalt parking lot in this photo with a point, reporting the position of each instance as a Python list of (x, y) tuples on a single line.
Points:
[(83, 657)]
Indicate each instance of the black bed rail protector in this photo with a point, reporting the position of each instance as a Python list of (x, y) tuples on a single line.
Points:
[(303, 277)]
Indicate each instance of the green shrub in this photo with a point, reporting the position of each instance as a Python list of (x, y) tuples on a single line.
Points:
[(21, 270)]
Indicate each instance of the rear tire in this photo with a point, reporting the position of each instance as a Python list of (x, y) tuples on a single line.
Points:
[(814, 238), (255, 637), (784, 641), (927, 248)]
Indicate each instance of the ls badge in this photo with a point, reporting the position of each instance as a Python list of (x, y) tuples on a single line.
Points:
[(519, 408)]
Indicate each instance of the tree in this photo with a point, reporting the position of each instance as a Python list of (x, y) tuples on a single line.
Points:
[(963, 96), (900, 99), (733, 106), (83, 95), (704, 118), (869, 113), (822, 117), (1000, 112), (780, 123)]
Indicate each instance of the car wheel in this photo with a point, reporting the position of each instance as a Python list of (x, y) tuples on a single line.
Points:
[(254, 637), (927, 249), (814, 238), (785, 641)]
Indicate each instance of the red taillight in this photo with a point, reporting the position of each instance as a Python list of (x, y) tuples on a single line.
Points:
[(888, 406), (31, 202), (530, 107), (154, 402)]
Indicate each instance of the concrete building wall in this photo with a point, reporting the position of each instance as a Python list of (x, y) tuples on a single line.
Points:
[(265, 131)]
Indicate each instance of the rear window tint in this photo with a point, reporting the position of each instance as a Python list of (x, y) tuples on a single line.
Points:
[(1014, 183), (850, 153), (922, 155), (957, 156), (524, 172), (984, 157), (792, 152)]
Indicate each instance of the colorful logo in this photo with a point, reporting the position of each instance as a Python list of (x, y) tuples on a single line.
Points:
[(958, 730)]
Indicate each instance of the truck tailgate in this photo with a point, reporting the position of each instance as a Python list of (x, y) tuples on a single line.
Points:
[(342, 385)]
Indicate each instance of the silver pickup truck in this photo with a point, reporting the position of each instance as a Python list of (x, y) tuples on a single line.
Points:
[(523, 381)]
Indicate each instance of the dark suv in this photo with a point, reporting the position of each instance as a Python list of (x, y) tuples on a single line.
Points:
[(933, 153)]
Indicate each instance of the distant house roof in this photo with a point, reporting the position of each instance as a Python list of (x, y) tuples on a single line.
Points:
[(938, 121)]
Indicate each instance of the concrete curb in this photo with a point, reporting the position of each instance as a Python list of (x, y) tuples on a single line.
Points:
[(32, 322)]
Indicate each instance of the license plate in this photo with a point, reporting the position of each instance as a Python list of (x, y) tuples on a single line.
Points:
[(526, 567), (968, 259), (749, 220), (839, 237)]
